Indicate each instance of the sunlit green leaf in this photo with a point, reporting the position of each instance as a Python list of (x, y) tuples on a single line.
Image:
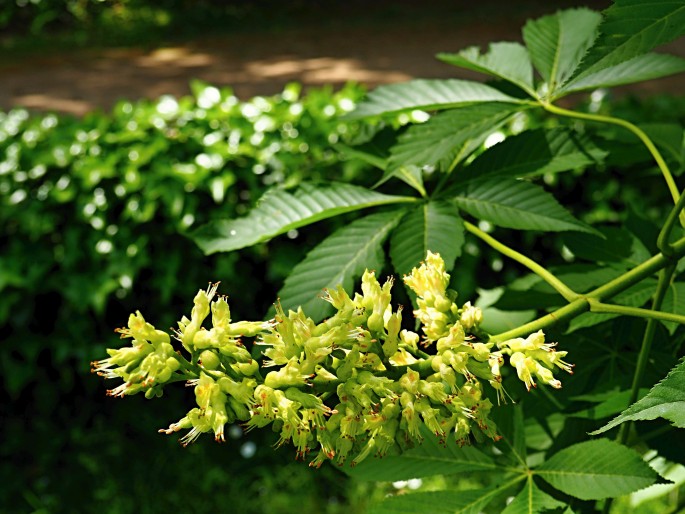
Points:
[(449, 137), (508, 61), (643, 67), (279, 211), (532, 500), (434, 226), (631, 28), (339, 259), (597, 469), (530, 154), (428, 94), (517, 204), (558, 42)]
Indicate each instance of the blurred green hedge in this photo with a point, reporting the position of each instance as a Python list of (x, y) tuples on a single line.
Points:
[(93, 214)]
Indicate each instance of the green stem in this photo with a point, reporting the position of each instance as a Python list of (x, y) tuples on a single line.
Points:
[(608, 290), (665, 233), (596, 306), (565, 291), (664, 281), (571, 310), (661, 163)]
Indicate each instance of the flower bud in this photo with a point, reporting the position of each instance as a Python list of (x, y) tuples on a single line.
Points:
[(209, 360)]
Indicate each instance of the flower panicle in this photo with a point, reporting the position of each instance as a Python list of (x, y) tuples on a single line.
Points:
[(354, 385)]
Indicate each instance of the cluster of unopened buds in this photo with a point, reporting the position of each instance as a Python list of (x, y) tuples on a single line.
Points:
[(354, 385)]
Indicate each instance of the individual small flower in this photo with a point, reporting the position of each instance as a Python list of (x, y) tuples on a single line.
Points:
[(211, 414), (149, 362), (470, 316), (429, 279), (534, 358)]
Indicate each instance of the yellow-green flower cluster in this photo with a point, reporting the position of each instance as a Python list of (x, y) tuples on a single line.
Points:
[(533, 358), (145, 366), (353, 385)]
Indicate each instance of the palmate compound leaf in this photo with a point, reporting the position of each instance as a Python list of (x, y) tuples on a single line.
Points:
[(597, 469), (529, 154), (279, 211), (517, 204), (532, 500), (449, 137), (428, 94), (631, 28), (339, 259), (427, 459), (434, 226), (665, 400), (506, 60), (643, 67), (558, 42)]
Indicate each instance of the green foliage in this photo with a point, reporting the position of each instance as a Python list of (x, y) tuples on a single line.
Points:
[(597, 469), (278, 212), (93, 218), (516, 204), (432, 226), (632, 28), (665, 400), (341, 258), (99, 202), (468, 160), (482, 157)]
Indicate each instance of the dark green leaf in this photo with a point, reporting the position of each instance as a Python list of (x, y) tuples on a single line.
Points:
[(665, 400), (631, 28), (339, 259), (558, 42), (637, 69), (530, 154), (674, 302), (434, 226), (279, 211), (597, 469), (509, 421), (436, 502), (517, 204), (429, 458), (447, 138), (532, 500), (617, 246), (669, 137), (358, 153), (430, 95), (608, 404), (507, 61), (410, 175)]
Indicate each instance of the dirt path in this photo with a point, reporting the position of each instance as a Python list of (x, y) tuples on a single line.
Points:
[(257, 63)]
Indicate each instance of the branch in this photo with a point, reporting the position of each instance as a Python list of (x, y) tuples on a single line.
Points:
[(565, 291), (661, 163), (608, 290)]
